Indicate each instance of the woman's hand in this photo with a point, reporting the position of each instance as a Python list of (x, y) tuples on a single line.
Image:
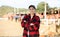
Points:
[(31, 24)]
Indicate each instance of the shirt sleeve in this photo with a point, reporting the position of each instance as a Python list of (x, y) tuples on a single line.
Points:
[(36, 24), (23, 22)]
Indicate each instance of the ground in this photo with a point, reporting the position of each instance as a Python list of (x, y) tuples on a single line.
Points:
[(13, 28), (10, 28)]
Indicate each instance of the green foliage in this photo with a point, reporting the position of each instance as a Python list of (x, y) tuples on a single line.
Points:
[(5, 10), (8, 9), (41, 7)]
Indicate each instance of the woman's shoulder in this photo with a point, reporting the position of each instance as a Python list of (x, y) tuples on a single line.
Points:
[(26, 15)]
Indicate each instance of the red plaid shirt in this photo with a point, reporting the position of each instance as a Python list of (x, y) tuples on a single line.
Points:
[(33, 29)]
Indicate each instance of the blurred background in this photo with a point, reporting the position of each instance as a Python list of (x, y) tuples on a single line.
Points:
[(13, 11)]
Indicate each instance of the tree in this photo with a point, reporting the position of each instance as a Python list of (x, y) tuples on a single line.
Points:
[(41, 6), (8, 9), (5, 10)]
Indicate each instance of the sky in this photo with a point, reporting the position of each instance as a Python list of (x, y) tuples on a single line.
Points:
[(26, 3)]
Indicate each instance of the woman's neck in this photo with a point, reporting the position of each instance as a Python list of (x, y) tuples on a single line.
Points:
[(32, 14)]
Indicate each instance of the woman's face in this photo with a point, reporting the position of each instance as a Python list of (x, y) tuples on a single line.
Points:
[(32, 10)]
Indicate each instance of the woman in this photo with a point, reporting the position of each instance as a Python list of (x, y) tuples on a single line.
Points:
[(52, 16), (31, 23)]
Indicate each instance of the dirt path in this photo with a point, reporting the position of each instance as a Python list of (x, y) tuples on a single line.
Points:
[(10, 28)]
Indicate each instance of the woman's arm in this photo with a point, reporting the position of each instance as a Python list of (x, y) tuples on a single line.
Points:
[(36, 24), (23, 22)]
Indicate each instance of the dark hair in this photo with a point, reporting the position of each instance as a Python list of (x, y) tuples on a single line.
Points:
[(56, 12), (32, 6), (41, 13), (47, 13)]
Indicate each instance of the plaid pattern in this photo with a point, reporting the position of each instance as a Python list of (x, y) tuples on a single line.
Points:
[(33, 29)]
